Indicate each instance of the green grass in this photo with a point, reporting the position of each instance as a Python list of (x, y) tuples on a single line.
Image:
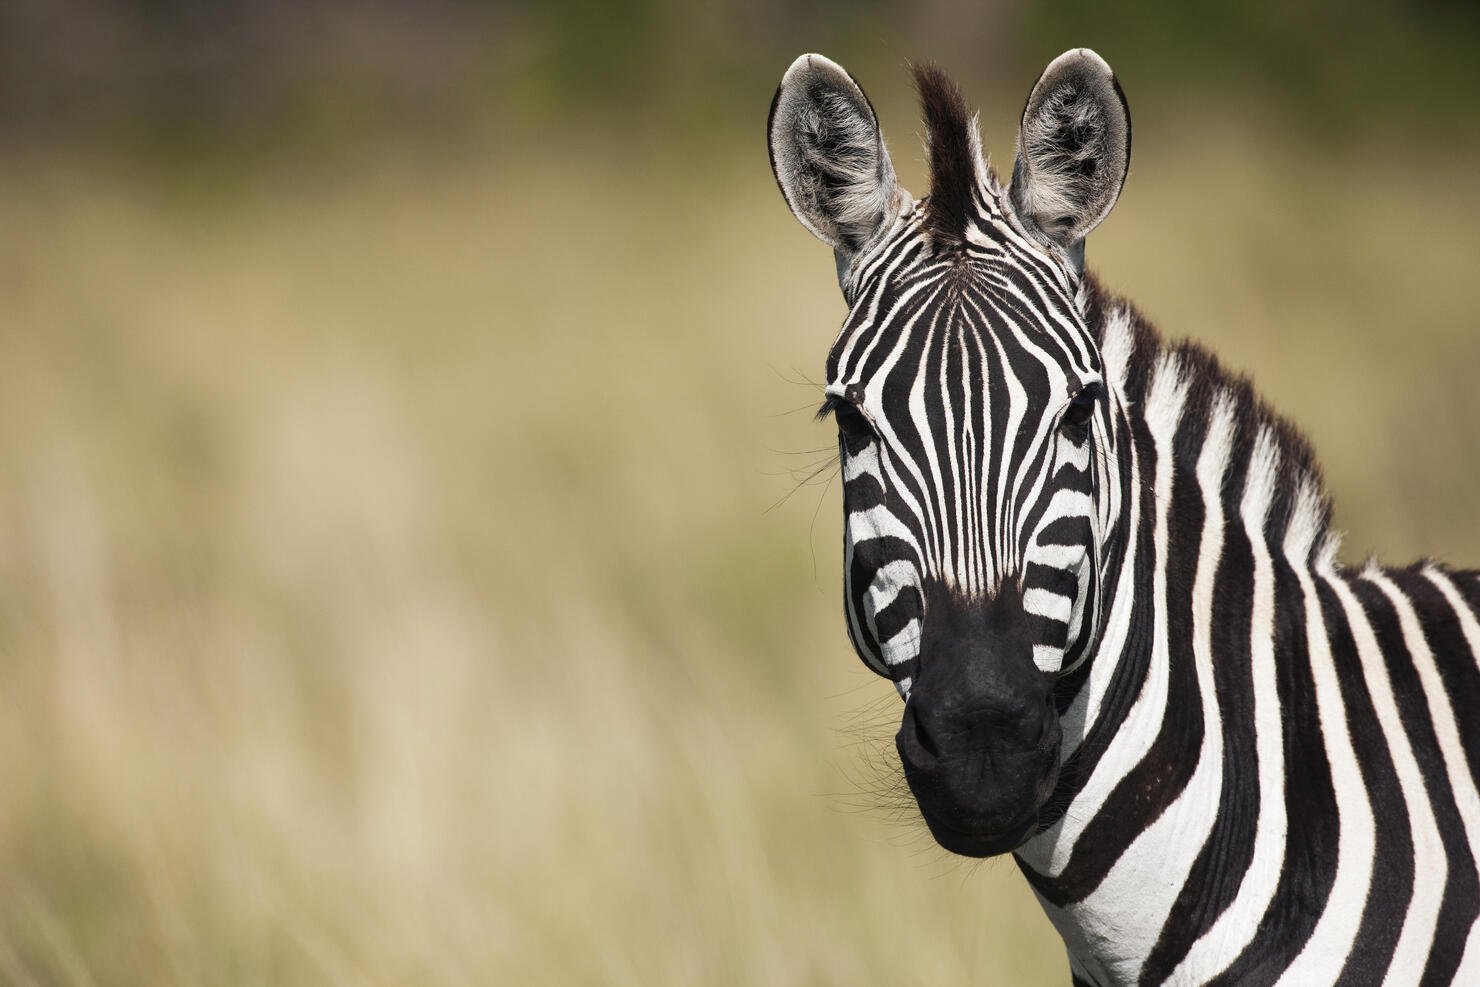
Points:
[(391, 590)]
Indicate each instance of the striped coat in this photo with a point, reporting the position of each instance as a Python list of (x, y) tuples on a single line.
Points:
[(1101, 573)]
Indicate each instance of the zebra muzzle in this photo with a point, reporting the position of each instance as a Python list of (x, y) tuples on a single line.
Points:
[(980, 737)]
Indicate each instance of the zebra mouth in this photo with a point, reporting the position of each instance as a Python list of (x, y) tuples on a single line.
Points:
[(982, 829), (977, 844), (981, 801)]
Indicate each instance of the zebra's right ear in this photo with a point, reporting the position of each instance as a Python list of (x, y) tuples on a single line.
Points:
[(829, 158)]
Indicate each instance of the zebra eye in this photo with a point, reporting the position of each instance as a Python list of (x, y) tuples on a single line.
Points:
[(850, 420), (1082, 407)]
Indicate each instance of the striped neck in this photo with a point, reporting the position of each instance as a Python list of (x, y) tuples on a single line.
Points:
[(1216, 489)]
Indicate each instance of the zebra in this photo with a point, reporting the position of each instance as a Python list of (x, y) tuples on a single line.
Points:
[(1101, 573)]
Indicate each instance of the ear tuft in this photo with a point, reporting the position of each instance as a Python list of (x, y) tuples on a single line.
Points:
[(1074, 149), (828, 155)]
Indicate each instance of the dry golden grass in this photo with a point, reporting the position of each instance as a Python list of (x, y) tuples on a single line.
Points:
[(388, 590)]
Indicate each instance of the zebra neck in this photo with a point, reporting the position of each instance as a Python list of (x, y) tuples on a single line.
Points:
[(1214, 486), (1266, 757), (1224, 535)]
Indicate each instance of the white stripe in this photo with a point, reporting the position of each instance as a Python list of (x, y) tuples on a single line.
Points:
[(1330, 943), (887, 582), (1152, 870), (1017, 400), (1048, 659), (1067, 558), (938, 531), (1069, 503), (855, 619), (981, 540), (1430, 866), (956, 490), (1441, 712), (1119, 343), (1077, 617), (874, 398), (904, 645), (1235, 928), (1128, 747), (1046, 603), (1085, 709), (877, 522), (1073, 455), (966, 500), (865, 462)]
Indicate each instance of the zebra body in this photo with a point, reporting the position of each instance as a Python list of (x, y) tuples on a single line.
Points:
[(1101, 573)]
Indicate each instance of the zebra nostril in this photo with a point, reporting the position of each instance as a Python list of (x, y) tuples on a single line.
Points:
[(914, 733)]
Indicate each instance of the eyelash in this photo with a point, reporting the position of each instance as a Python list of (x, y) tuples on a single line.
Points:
[(849, 419)]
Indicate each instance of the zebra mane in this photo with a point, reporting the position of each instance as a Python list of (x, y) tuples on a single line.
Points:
[(1135, 351), (953, 148)]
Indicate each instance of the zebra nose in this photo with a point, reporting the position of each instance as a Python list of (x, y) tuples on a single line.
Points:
[(976, 677), (979, 744), (977, 798), (976, 714)]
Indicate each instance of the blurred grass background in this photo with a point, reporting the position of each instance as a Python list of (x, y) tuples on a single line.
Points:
[(404, 576)]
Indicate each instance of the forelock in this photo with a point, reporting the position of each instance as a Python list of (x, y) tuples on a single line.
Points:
[(954, 152)]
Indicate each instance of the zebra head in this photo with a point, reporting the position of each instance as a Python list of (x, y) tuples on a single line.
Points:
[(976, 431)]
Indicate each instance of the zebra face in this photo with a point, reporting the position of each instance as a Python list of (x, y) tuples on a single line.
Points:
[(974, 423), (967, 429), (966, 439)]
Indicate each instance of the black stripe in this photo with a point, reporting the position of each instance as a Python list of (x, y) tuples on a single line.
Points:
[(1218, 870), (1451, 652), (1392, 867), (1135, 657), (863, 492), (1071, 530), (1153, 785), (1456, 664), (1311, 834), (1051, 578), (1134, 662), (1456, 913), (897, 615)]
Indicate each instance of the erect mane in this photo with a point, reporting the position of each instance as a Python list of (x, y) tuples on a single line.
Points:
[(953, 150), (1299, 493)]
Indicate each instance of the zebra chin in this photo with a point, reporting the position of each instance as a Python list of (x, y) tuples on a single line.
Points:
[(980, 736)]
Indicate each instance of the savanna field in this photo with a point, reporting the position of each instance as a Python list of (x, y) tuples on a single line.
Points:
[(421, 566)]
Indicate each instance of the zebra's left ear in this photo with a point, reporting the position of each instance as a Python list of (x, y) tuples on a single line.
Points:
[(1074, 148)]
